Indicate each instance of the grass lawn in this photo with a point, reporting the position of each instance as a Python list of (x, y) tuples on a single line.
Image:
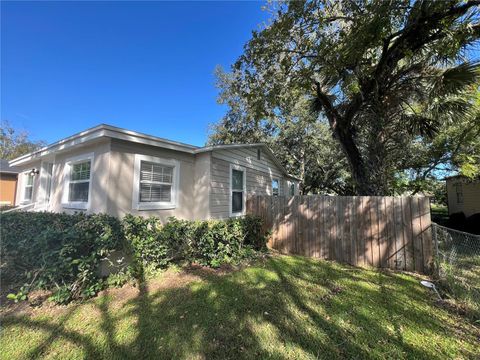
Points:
[(439, 214), (284, 307)]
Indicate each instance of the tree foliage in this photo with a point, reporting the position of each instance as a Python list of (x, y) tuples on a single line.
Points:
[(304, 145), (15, 143), (392, 79)]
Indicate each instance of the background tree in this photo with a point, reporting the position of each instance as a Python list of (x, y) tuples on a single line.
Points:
[(14, 143), (303, 143), (381, 73)]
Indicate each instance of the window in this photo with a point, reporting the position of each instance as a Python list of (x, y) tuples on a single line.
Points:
[(459, 191), (155, 183), (237, 190), (259, 154), (275, 187), (77, 186), (79, 182), (292, 189), (28, 193)]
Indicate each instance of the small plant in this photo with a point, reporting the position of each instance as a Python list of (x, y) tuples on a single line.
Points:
[(21, 295)]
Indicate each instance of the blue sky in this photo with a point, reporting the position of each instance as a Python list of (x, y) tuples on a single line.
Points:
[(144, 66)]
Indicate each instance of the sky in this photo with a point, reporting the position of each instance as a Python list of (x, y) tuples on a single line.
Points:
[(144, 66)]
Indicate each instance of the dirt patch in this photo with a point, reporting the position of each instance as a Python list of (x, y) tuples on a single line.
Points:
[(118, 297)]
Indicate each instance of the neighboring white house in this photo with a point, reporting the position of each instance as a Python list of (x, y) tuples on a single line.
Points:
[(463, 195), (116, 171)]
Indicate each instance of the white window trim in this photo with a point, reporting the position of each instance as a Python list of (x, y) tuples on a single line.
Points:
[(81, 205), (244, 197), (160, 205), (44, 182), (24, 186)]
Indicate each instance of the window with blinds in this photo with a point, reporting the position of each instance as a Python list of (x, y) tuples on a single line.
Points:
[(156, 182), (79, 182)]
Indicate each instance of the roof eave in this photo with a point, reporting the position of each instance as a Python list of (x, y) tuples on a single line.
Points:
[(98, 132)]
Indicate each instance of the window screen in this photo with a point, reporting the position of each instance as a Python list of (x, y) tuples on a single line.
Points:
[(29, 187), (79, 183), (292, 189), (237, 191), (155, 182), (275, 187)]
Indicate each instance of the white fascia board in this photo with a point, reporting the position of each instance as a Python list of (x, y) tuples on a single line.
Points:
[(98, 132)]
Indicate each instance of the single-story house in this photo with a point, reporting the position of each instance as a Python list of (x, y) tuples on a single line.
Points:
[(463, 195), (8, 183), (116, 171)]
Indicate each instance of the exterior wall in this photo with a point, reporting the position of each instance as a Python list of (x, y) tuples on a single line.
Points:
[(259, 175), (99, 179), (202, 186), (8, 188), (98, 176), (120, 188), (471, 196), (22, 177)]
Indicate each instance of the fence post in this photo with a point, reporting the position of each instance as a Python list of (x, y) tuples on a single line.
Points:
[(436, 260)]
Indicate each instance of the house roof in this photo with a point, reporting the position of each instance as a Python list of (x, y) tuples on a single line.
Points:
[(104, 130), (5, 168), (462, 177)]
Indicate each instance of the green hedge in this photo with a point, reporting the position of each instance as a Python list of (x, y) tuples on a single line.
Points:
[(63, 252), (211, 243)]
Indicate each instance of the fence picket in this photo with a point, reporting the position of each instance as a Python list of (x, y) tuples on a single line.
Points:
[(392, 232)]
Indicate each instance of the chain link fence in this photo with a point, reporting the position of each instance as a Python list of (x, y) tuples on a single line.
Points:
[(457, 268)]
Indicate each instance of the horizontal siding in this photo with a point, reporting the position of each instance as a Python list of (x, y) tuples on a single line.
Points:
[(247, 157), (259, 175), (471, 196)]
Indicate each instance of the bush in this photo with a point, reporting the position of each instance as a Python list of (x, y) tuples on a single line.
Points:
[(457, 221), (472, 224), (57, 251), (63, 252), (210, 243)]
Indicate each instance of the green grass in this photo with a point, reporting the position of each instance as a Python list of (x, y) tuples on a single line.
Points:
[(285, 308), (439, 214)]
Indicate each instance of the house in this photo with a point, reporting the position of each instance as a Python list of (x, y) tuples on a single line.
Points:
[(116, 171), (8, 183), (463, 195)]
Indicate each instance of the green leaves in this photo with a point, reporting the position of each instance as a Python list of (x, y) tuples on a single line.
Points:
[(62, 252), (454, 80), (383, 73)]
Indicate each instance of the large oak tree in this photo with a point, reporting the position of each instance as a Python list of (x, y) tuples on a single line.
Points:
[(386, 76)]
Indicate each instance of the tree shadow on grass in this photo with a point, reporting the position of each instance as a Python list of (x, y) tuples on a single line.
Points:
[(292, 308)]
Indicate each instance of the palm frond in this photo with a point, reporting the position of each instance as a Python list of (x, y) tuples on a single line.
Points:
[(452, 108), (456, 79), (420, 125)]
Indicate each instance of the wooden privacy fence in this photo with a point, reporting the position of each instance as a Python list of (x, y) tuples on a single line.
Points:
[(389, 232)]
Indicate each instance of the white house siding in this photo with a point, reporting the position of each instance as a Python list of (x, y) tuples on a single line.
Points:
[(471, 196), (259, 175), (22, 178), (99, 178), (121, 181)]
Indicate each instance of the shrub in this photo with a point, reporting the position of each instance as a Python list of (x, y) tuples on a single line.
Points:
[(47, 250), (210, 243), (472, 224), (63, 252), (457, 221)]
